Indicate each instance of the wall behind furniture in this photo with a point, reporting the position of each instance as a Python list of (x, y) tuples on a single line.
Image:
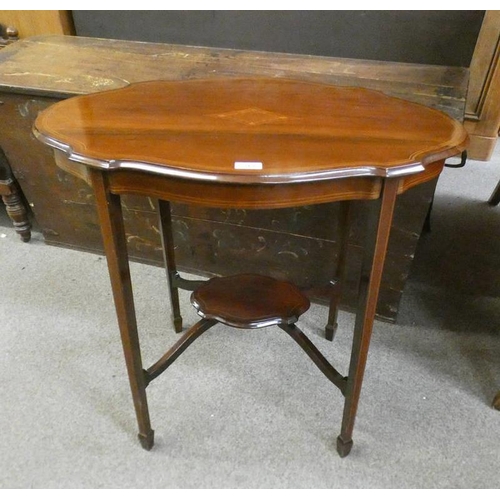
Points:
[(428, 37)]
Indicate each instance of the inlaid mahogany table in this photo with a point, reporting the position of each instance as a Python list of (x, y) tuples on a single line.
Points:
[(250, 143)]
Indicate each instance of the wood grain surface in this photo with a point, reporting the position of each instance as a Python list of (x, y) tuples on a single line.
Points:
[(277, 130), (80, 65)]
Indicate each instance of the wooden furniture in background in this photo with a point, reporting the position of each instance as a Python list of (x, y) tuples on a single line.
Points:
[(248, 143), (289, 244), (15, 24), (38, 22), (483, 99), (13, 199)]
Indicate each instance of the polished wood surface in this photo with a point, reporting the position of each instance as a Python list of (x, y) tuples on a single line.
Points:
[(243, 196), (294, 130), (377, 236), (249, 301), (115, 242)]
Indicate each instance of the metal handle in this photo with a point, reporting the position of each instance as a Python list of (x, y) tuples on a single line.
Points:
[(7, 36), (458, 165)]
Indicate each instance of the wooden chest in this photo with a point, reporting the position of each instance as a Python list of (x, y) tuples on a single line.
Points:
[(295, 244)]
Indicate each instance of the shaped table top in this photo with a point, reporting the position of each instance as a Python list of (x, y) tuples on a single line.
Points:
[(250, 130)]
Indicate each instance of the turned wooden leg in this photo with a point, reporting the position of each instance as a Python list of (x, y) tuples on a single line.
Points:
[(169, 259), (371, 276), (115, 245), (340, 268), (16, 210)]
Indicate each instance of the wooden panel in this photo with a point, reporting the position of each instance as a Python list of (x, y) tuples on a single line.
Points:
[(38, 22), (83, 65), (480, 147), (247, 197), (481, 64), (483, 99)]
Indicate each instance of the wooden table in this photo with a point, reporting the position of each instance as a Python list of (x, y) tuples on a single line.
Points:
[(256, 143)]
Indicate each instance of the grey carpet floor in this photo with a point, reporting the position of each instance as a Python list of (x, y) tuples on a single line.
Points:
[(247, 409)]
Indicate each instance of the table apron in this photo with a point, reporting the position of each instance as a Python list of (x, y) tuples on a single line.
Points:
[(246, 196)]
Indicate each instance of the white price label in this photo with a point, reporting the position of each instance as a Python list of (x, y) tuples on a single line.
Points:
[(248, 165)]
